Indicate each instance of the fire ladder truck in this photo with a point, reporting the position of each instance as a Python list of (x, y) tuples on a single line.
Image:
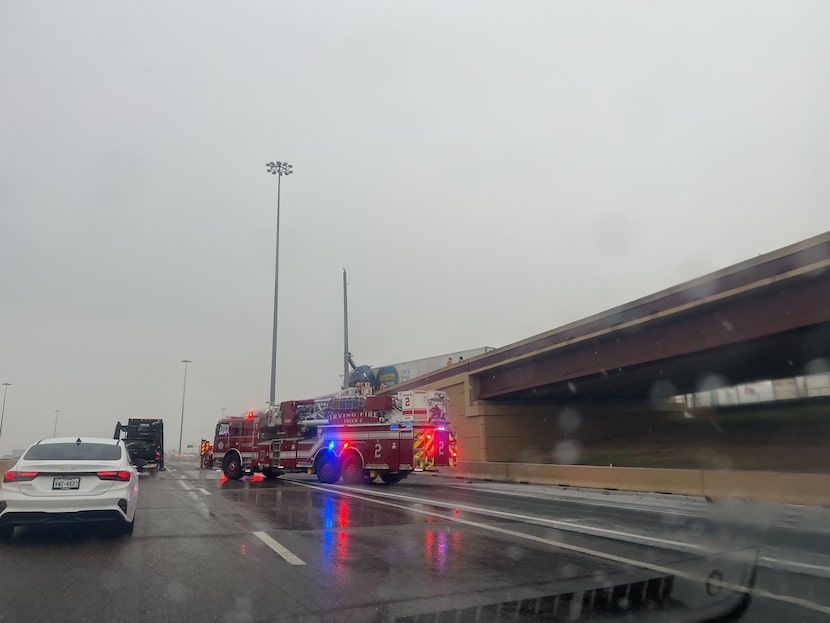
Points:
[(353, 434)]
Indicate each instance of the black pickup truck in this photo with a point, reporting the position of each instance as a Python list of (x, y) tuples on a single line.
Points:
[(145, 442)]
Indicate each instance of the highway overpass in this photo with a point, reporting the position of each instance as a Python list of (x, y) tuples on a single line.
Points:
[(605, 378)]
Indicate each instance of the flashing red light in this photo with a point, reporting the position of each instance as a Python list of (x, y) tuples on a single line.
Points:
[(250, 414), (13, 476), (429, 436), (121, 475), (345, 444)]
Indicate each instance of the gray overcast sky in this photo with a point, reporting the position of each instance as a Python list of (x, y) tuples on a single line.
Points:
[(487, 170)]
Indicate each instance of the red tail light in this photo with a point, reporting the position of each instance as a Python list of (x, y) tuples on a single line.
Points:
[(122, 475), (158, 454), (13, 476)]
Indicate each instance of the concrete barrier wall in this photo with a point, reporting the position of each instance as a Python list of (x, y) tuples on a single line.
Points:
[(811, 489), (687, 482)]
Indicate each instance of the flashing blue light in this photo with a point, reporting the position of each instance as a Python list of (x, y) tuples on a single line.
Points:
[(331, 445)]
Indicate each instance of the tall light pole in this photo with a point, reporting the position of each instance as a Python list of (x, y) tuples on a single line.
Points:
[(184, 389), (3, 412), (55, 432), (345, 332), (279, 169)]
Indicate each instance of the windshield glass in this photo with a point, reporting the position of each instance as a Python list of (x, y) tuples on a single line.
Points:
[(73, 452), (461, 310)]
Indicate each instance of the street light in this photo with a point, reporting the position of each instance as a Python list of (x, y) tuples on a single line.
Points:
[(279, 169), (184, 389), (55, 432), (3, 412)]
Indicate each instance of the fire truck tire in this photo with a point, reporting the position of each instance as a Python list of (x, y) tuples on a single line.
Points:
[(232, 467), (327, 469), (390, 479), (352, 469)]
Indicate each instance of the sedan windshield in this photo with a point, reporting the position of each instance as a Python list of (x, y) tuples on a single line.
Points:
[(74, 452)]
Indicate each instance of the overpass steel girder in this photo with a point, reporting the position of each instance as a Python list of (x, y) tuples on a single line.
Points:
[(772, 328)]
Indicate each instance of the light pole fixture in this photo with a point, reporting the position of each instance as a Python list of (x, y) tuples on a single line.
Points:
[(3, 412), (55, 431), (279, 169), (184, 389)]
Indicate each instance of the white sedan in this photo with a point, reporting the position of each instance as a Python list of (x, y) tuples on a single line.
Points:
[(70, 481)]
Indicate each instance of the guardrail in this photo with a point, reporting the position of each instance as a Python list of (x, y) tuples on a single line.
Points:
[(778, 487)]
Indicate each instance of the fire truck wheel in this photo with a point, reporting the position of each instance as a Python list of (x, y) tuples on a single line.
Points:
[(352, 468), (328, 469), (390, 479), (232, 467)]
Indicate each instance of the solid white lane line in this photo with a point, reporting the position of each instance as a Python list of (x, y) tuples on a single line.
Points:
[(205, 491), (280, 549), (565, 525), (767, 561), (782, 562), (757, 592), (583, 501)]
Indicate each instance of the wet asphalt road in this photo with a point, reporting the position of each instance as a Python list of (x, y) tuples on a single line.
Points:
[(429, 548)]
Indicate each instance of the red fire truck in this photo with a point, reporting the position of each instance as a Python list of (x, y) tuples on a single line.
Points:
[(353, 434)]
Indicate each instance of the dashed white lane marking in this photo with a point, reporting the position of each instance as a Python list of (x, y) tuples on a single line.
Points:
[(189, 487), (757, 592), (280, 549)]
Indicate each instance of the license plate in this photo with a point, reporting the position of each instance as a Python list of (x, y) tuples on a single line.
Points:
[(62, 483)]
